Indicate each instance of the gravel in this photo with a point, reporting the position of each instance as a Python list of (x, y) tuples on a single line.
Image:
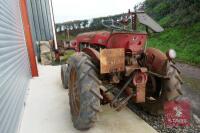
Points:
[(157, 122)]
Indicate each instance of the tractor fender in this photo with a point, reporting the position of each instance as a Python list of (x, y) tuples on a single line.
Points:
[(94, 54), (156, 61)]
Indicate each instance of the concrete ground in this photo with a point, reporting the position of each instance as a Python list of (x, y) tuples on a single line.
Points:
[(47, 110)]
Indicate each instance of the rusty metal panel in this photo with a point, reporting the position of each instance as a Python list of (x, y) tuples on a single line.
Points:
[(112, 60), (156, 61), (140, 93)]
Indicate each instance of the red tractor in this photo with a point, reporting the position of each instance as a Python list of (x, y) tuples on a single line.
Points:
[(116, 67)]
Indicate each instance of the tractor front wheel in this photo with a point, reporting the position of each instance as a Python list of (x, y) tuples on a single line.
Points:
[(84, 91)]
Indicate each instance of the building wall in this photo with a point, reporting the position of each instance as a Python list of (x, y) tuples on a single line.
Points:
[(14, 66), (40, 20)]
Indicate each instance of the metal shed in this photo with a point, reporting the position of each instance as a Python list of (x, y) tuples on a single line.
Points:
[(14, 65), (40, 20), (20, 27)]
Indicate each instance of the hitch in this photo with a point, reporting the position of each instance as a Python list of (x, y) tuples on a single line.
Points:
[(139, 79), (116, 100)]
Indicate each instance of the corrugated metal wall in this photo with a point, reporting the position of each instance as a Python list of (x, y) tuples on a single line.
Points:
[(40, 20), (14, 66)]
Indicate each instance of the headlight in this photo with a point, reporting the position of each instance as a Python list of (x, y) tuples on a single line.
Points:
[(171, 54)]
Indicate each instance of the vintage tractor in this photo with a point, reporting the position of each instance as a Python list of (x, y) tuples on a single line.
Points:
[(116, 67)]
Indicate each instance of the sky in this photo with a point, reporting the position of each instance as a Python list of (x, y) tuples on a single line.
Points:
[(68, 10)]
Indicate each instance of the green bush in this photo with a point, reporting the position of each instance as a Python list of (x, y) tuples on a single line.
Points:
[(186, 41)]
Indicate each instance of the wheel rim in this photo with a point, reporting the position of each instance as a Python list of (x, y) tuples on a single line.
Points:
[(74, 93)]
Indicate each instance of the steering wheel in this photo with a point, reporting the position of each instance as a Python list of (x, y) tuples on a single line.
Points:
[(114, 25)]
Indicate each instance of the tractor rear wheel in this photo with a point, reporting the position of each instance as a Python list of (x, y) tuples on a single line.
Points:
[(84, 91), (170, 90)]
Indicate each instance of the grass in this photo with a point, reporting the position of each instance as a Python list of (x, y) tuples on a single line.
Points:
[(68, 54), (186, 42), (64, 58)]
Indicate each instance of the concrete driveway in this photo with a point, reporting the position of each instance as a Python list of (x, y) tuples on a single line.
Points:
[(47, 110)]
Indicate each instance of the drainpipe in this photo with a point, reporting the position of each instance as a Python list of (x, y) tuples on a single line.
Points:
[(53, 24)]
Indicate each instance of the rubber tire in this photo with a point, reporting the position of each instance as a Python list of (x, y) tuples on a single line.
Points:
[(171, 90), (64, 73), (88, 86)]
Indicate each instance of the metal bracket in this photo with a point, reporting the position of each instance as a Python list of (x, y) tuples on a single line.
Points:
[(115, 100), (158, 75)]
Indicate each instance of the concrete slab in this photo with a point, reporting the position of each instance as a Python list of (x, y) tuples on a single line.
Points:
[(47, 110)]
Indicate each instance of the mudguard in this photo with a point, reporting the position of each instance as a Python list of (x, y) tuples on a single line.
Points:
[(156, 61), (94, 54)]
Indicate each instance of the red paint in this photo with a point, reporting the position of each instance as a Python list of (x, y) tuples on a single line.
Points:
[(98, 38), (73, 45), (140, 78), (28, 37), (134, 42)]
